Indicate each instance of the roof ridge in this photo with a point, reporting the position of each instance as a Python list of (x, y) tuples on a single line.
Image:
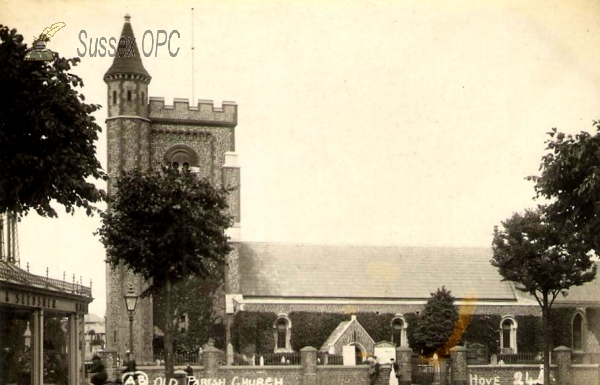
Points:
[(371, 245)]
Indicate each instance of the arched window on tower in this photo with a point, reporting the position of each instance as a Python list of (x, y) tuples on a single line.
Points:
[(282, 327), (181, 156), (508, 335), (114, 97), (128, 96), (399, 331), (577, 326)]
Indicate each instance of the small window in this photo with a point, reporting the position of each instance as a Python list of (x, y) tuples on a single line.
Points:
[(115, 336), (399, 327), (508, 336), (175, 165), (281, 334), (143, 98), (128, 96), (578, 332), (114, 97)]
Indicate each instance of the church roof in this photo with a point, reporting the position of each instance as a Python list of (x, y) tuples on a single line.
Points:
[(127, 63), (368, 272)]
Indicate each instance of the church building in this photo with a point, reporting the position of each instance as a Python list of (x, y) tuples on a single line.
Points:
[(293, 295)]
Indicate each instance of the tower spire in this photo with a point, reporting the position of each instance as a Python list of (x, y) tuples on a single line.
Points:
[(128, 60)]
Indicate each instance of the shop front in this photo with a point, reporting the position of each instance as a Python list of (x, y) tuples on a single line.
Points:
[(41, 328)]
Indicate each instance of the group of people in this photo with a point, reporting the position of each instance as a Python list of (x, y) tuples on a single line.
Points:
[(98, 370), (375, 369)]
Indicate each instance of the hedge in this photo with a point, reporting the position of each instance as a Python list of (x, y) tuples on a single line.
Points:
[(253, 332), (313, 329)]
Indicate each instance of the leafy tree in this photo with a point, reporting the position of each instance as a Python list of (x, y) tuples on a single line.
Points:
[(47, 134), (165, 226), (571, 179), (195, 298), (436, 324), (543, 261)]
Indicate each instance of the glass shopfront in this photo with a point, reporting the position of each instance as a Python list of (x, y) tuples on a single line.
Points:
[(41, 329)]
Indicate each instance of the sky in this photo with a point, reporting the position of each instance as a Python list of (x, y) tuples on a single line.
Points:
[(365, 122)]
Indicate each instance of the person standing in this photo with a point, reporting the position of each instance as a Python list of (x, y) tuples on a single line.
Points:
[(393, 372), (98, 371), (374, 368), (130, 367)]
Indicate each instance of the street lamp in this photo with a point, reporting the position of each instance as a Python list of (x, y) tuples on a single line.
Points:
[(131, 301)]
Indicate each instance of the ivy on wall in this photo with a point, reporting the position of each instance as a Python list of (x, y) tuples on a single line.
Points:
[(377, 325), (313, 329), (485, 330), (530, 334), (253, 332)]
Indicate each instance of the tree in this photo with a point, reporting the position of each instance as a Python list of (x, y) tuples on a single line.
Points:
[(543, 261), (47, 134), (194, 298), (436, 324), (165, 226), (571, 180)]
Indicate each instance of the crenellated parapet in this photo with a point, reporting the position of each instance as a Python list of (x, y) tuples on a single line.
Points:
[(205, 113)]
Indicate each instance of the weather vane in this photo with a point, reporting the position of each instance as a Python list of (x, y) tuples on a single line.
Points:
[(39, 52)]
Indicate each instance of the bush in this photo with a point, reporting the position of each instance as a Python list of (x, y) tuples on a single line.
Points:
[(313, 329)]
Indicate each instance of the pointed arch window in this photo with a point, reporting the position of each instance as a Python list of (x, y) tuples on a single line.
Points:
[(282, 328), (578, 332), (399, 327), (508, 335)]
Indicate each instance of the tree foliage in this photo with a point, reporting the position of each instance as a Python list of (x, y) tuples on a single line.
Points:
[(47, 134), (436, 324), (532, 252), (570, 178), (543, 260), (195, 298), (166, 224)]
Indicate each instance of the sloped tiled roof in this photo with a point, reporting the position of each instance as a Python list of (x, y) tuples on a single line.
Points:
[(335, 335), (128, 63), (587, 293), (93, 318), (369, 272)]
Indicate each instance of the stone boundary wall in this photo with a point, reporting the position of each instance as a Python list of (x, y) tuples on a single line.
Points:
[(309, 373)]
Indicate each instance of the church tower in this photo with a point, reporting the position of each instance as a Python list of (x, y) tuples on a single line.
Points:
[(143, 132), (128, 135)]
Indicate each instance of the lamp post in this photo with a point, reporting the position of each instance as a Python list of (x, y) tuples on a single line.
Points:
[(131, 301)]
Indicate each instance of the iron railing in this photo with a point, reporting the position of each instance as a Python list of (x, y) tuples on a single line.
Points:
[(51, 283), (182, 359), (520, 359), (267, 359)]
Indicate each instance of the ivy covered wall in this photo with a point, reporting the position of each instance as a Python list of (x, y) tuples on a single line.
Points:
[(254, 332)]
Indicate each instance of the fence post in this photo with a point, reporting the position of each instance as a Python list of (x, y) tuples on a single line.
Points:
[(309, 365), (404, 360), (459, 369), (109, 358), (563, 360), (210, 358)]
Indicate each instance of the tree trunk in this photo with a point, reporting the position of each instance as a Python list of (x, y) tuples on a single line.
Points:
[(547, 339), (168, 342)]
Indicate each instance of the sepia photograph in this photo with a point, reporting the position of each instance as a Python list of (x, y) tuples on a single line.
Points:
[(299, 192)]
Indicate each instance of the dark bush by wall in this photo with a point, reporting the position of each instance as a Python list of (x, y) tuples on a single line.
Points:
[(412, 319), (485, 330), (560, 324), (530, 334), (253, 332), (377, 325), (313, 329)]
